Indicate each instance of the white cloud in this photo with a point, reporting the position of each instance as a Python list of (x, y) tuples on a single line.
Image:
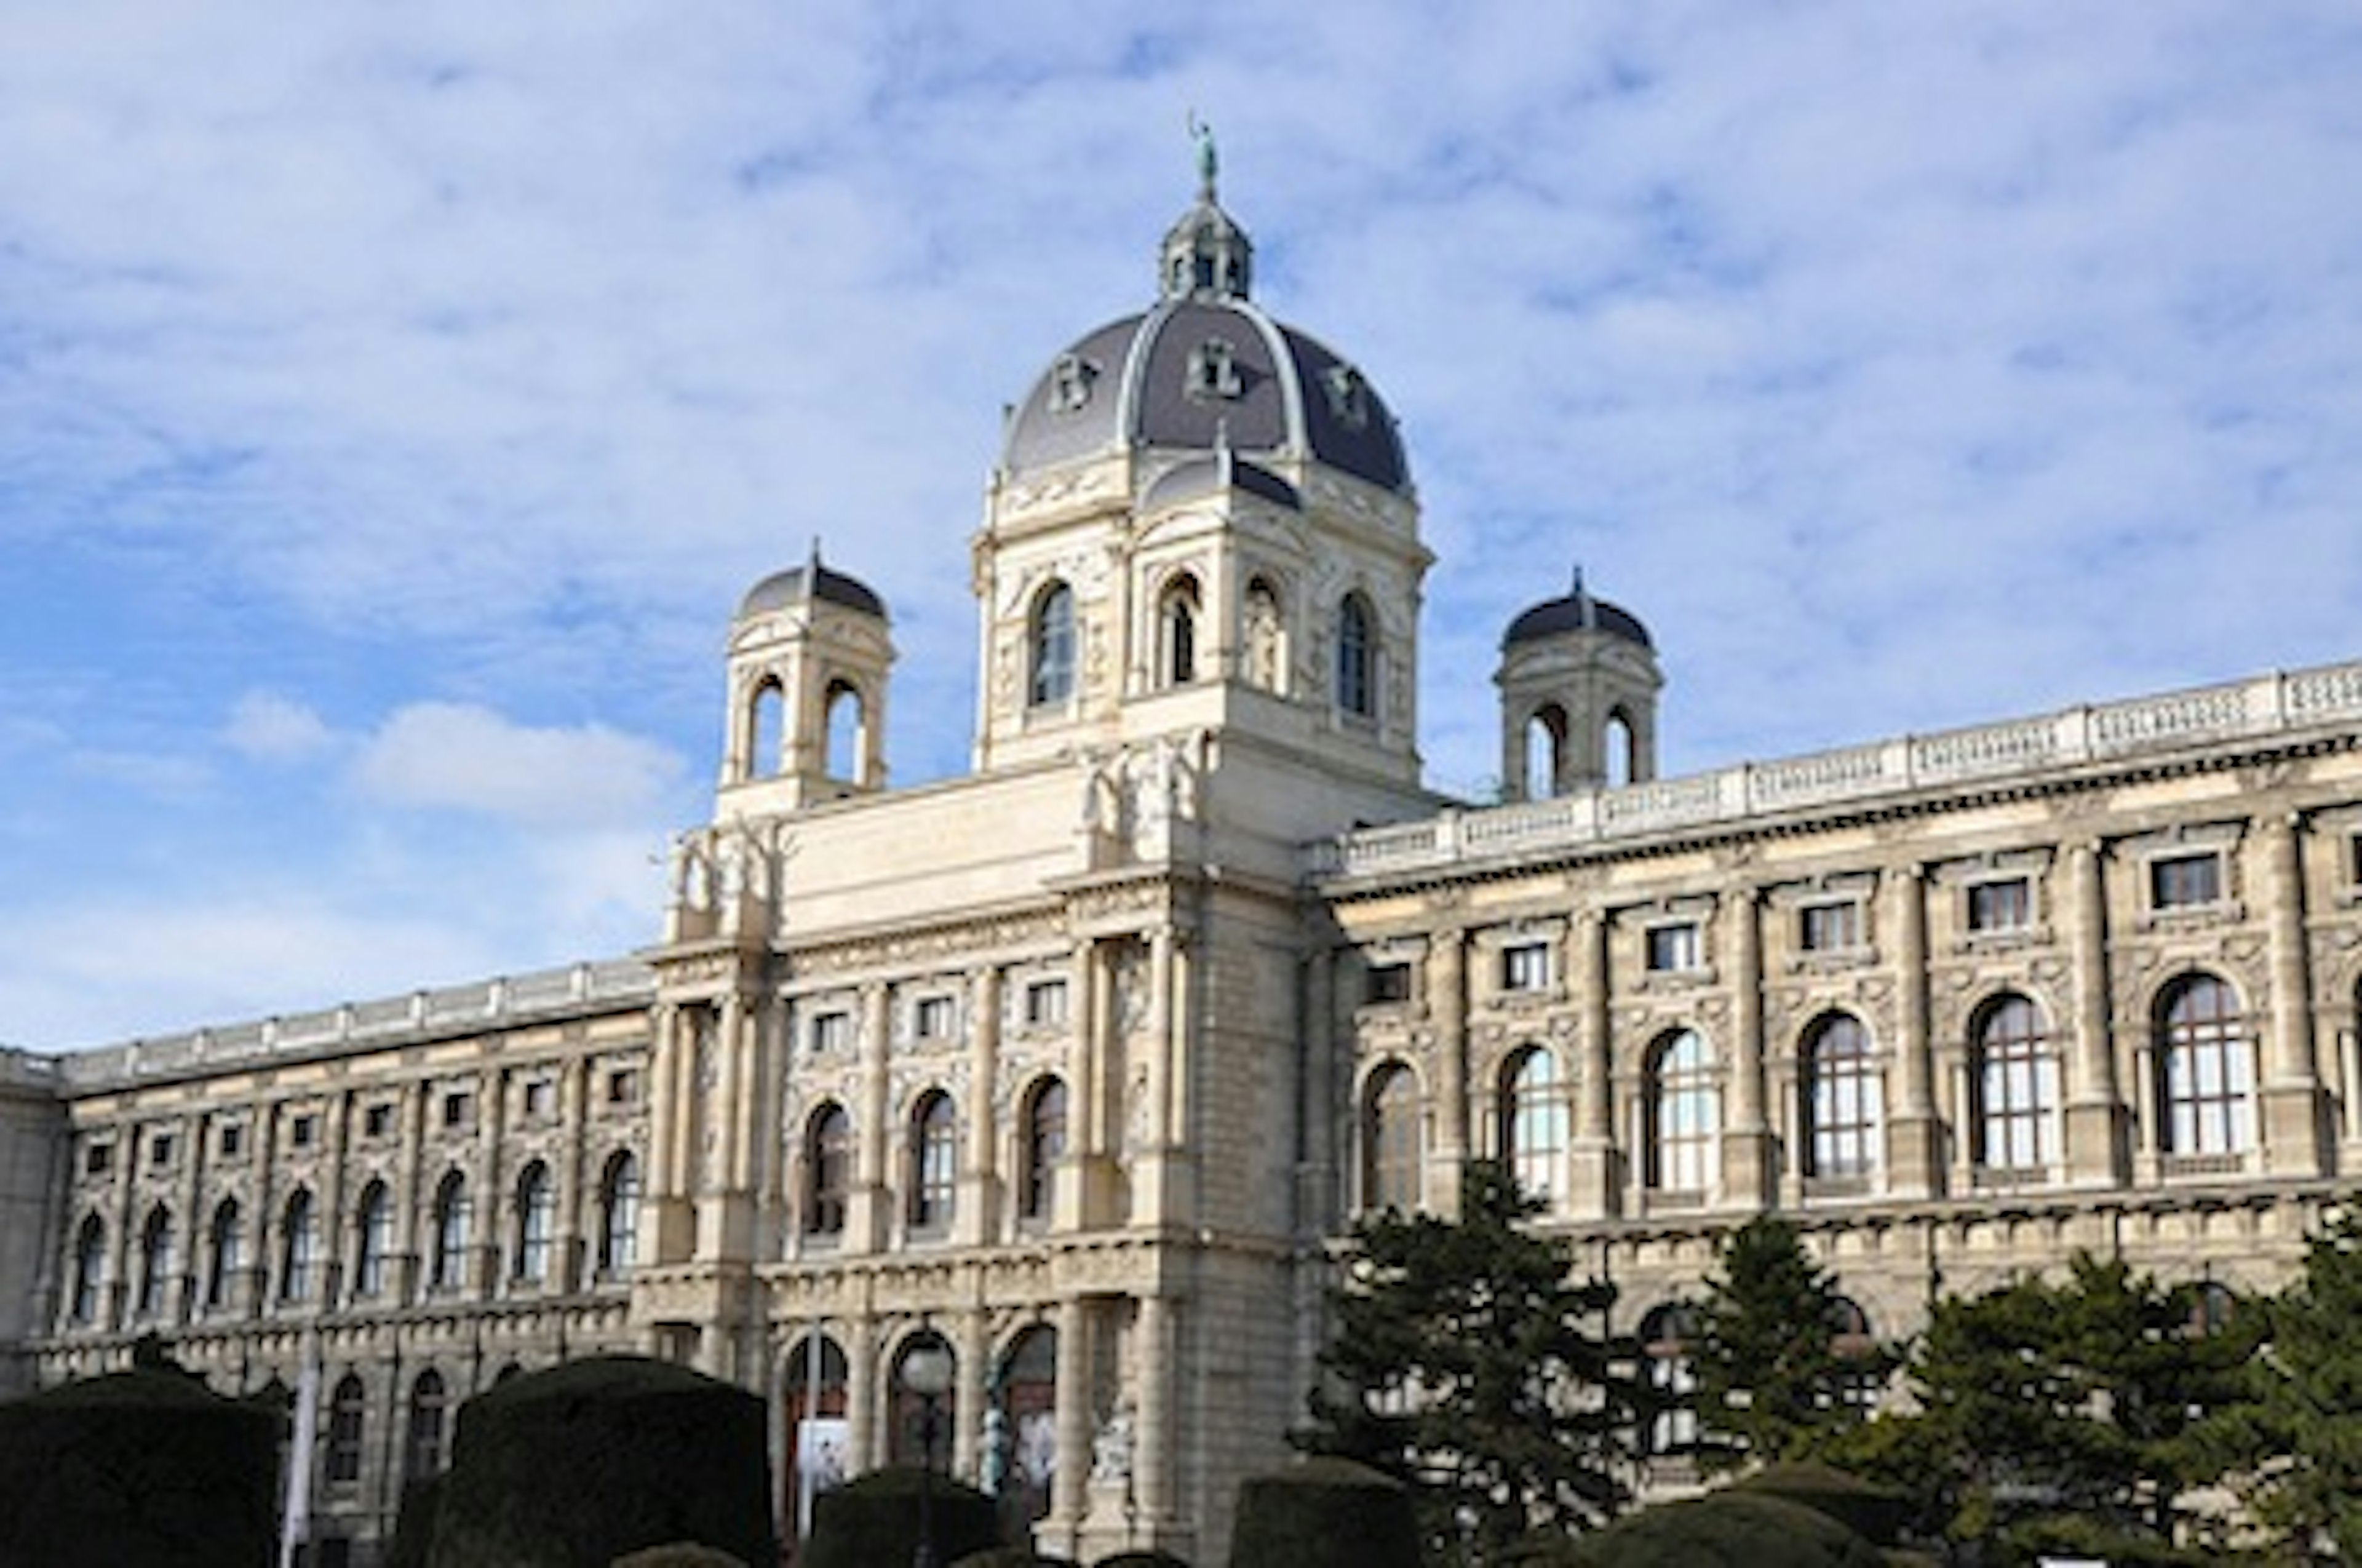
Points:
[(272, 728), (457, 756)]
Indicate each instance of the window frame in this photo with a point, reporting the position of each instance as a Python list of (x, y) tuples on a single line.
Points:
[(1684, 1111), (1842, 1102), (1050, 628), (2014, 1079), (933, 1161), (2185, 880)]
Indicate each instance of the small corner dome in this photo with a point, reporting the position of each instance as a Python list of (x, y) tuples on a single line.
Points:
[(1577, 611), (804, 584)]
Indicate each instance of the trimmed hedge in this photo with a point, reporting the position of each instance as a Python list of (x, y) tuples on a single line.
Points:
[(144, 1466), (1731, 1529), (414, 1527), (874, 1518), (1324, 1513), (1868, 1510), (679, 1554), (594, 1459), (1012, 1557), (1142, 1560)]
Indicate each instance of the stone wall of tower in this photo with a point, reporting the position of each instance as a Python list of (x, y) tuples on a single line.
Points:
[(32, 1167)]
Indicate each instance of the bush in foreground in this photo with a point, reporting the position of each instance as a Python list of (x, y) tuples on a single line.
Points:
[(1324, 1513), (874, 1518)]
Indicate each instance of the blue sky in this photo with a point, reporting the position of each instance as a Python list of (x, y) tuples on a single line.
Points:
[(395, 400)]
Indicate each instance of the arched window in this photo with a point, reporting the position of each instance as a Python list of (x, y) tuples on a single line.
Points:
[(1029, 1409), (1533, 1122), (1390, 1155), (89, 1269), (422, 1447), (373, 1239), (1683, 1117), (1265, 637), (1545, 751), (536, 1210), (935, 1161), (2206, 1068), (1052, 639), (909, 1436), (1617, 749), (1177, 622), (1665, 1336), (156, 1249), (848, 717), (1357, 658), (2016, 1080), (299, 1246), (812, 1411), (1841, 1099), (224, 1254), (453, 1213), (766, 728), (348, 1421), (618, 1214), (828, 1165), (1045, 1137), (1861, 1375)]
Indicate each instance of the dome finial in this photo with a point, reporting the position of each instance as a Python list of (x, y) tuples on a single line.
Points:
[(1209, 161)]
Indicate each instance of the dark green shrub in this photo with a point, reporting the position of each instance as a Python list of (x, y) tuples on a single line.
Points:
[(1142, 1560), (1724, 1530), (1013, 1557), (874, 1518), (144, 1466), (582, 1463), (1324, 1513), (414, 1527), (679, 1554), (1868, 1510)]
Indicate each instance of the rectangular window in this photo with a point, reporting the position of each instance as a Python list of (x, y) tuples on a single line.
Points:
[(377, 1121), (832, 1032), (2006, 905), (457, 1107), (302, 1129), (233, 1139), (1046, 1004), (1672, 949), (1829, 928), (98, 1158), (1526, 967), (622, 1087), (1388, 983), (931, 1019), (160, 1149), (2185, 882), (540, 1098)]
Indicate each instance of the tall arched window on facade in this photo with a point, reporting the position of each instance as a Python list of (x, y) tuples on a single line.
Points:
[(1533, 1122), (299, 1246), (89, 1269), (452, 1216), (2016, 1079), (1357, 658), (1841, 1100), (422, 1447), (1052, 677), (618, 1214), (848, 716), (1390, 1153), (1666, 1334), (765, 727), (1683, 1117), (1177, 628), (2206, 1068), (815, 1382), (373, 1239), (908, 1436), (828, 1170), (1044, 1145), (347, 1424), (536, 1213), (224, 1254), (1029, 1404), (156, 1257), (933, 1161)]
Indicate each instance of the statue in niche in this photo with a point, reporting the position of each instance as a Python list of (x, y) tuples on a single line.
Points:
[(992, 1464), (1111, 1445), (1262, 637)]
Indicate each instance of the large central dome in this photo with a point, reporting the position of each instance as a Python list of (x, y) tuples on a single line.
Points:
[(1206, 368)]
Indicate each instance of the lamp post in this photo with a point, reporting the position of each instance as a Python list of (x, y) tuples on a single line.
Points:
[(927, 1372)]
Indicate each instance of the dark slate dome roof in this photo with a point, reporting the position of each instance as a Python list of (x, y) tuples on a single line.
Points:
[(1578, 611), (798, 585), (1205, 367)]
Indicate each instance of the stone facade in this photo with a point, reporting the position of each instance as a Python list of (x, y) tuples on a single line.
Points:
[(1077, 1063)]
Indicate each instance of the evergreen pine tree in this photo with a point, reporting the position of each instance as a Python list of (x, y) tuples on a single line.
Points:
[(1771, 1378), (1466, 1363)]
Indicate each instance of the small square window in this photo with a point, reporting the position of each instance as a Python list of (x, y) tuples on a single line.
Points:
[(623, 1086), (2185, 882), (377, 1121), (2003, 905), (540, 1096), (1046, 1004), (302, 1129), (1672, 949), (1388, 983), (160, 1149), (831, 1033), (233, 1139), (931, 1019), (2354, 858), (1526, 967), (458, 1105), (97, 1159), (1829, 928)]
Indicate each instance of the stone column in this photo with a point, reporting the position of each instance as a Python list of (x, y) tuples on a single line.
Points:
[(2294, 1128), (1150, 1175), (1069, 1493), (2095, 1112), (1747, 1144), (1317, 1186), (1914, 1142), (864, 1441), (725, 1213), (1158, 1371), (978, 1218), (973, 1350), (870, 1204), (568, 1258), (1593, 1190), (1447, 1011)]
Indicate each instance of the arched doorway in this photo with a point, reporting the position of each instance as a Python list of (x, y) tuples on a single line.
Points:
[(816, 1447), (1024, 1418)]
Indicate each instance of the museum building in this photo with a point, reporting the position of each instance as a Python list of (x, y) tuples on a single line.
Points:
[(1076, 1066)]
